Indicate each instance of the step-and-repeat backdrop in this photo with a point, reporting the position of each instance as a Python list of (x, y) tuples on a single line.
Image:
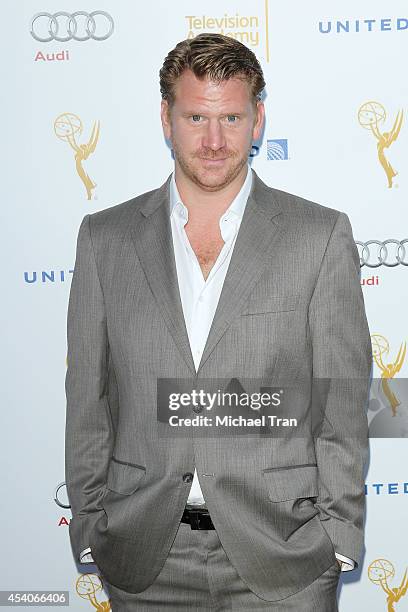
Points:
[(336, 133)]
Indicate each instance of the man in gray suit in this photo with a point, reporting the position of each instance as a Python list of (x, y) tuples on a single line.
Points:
[(215, 276)]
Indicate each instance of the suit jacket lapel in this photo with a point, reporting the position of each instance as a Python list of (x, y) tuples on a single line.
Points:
[(154, 245), (256, 239)]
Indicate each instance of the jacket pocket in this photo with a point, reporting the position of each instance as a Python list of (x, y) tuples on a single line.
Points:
[(258, 304), (124, 478), (291, 482)]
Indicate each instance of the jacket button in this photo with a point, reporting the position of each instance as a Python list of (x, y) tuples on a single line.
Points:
[(188, 477)]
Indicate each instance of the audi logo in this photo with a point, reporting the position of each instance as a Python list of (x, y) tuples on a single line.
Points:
[(60, 496), (80, 25), (390, 253)]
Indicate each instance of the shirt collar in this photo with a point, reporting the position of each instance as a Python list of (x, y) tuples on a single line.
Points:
[(236, 208)]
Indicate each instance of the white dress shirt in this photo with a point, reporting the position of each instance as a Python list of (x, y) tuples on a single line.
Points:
[(200, 297)]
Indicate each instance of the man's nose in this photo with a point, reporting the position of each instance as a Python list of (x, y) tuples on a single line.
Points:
[(213, 137)]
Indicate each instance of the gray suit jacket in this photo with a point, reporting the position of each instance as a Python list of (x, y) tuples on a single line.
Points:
[(291, 308)]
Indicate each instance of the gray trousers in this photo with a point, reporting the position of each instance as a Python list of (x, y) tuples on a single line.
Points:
[(198, 575)]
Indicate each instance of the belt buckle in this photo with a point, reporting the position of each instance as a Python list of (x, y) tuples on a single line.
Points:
[(199, 518), (194, 518)]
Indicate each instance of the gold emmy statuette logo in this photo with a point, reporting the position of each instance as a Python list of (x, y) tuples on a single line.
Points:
[(370, 116), (87, 586), (379, 572), (66, 127), (380, 347)]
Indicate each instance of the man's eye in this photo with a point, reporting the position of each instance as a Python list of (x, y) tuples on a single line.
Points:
[(231, 118), (196, 118)]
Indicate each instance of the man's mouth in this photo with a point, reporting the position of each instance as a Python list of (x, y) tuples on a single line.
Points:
[(213, 161)]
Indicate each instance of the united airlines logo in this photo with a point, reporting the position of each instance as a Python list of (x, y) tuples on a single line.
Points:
[(386, 488), (359, 26), (277, 149)]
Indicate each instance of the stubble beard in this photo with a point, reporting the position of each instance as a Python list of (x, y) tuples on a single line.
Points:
[(205, 179)]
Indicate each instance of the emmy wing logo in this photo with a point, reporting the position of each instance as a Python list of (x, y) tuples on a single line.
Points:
[(380, 347), (380, 572), (87, 586), (388, 405), (370, 116), (68, 127)]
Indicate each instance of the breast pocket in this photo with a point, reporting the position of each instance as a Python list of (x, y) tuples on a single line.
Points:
[(263, 304)]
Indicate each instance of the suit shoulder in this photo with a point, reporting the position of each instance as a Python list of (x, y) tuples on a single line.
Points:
[(295, 204), (303, 217), (121, 213)]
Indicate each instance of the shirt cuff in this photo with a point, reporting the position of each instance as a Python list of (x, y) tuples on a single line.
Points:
[(346, 564), (85, 556)]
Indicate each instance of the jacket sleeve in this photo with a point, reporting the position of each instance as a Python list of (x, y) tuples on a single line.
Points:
[(342, 357), (89, 431)]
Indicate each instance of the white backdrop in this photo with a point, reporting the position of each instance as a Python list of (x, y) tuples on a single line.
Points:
[(318, 76)]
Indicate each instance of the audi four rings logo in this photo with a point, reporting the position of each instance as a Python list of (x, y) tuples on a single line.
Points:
[(60, 496), (375, 253), (63, 26)]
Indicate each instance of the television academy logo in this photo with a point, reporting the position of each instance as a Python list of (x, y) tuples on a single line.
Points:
[(251, 30), (244, 28)]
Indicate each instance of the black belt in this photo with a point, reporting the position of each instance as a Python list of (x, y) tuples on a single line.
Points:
[(197, 518)]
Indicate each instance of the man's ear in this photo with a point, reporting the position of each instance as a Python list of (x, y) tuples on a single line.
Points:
[(259, 120), (165, 119)]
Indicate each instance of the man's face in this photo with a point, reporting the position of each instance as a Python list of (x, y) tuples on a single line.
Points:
[(211, 128)]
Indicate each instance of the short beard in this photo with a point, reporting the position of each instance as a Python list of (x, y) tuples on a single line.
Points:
[(188, 170)]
